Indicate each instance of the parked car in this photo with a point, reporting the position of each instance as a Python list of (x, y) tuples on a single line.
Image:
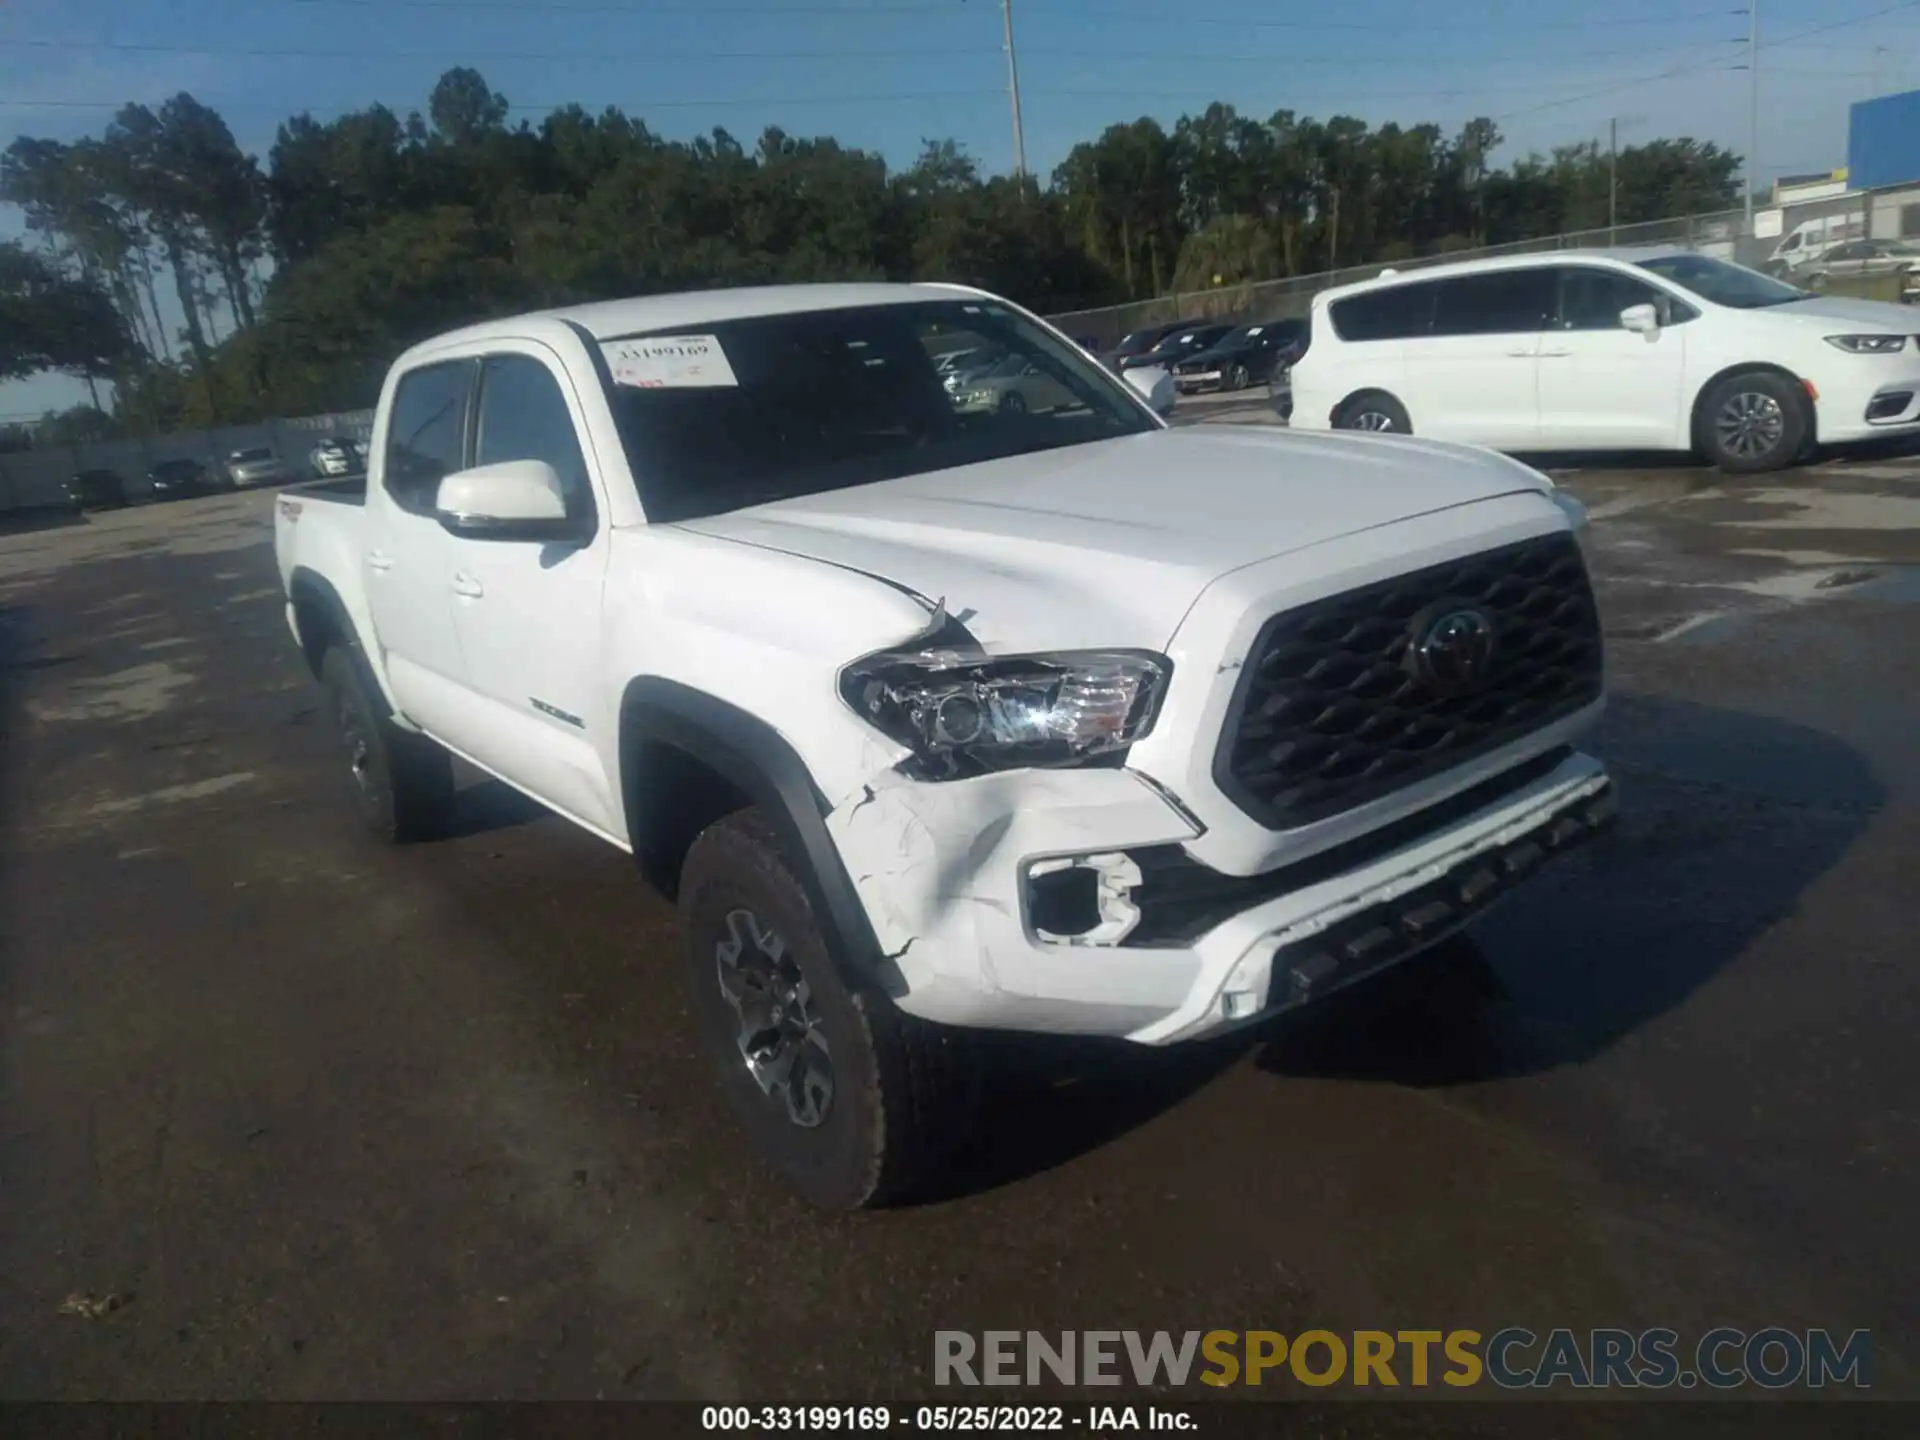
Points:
[(1810, 240), (1247, 356), (882, 699), (1648, 349), (1138, 342), (1859, 258), (333, 458), (969, 366), (1177, 346), (1015, 386), (256, 467), (179, 479), (97, 490)]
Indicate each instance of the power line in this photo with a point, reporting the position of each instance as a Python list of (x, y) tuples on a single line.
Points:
[(1104, 11), (628, 57), (1698, 66), (255, 107), (664, 56)]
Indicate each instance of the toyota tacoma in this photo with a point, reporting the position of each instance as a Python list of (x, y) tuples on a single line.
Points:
[(932, 718)]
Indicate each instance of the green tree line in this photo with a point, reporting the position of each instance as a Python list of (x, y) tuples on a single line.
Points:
[(289, 287)]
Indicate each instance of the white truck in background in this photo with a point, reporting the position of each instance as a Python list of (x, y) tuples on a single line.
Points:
[(933, 718)]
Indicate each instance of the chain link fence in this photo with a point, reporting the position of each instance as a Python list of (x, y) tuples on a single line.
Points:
[(1722, 234), (36, 479)]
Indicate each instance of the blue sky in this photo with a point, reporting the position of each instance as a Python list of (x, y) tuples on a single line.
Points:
[(884, 74)]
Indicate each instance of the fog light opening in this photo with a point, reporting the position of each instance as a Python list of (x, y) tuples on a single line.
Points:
[(1083, 899)]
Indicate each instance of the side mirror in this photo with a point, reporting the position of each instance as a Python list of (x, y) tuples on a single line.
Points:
[(1153, 385), (1641, 319), (511, 500)]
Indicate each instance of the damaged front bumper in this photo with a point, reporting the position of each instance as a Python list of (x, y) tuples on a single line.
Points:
[(1064, 901)]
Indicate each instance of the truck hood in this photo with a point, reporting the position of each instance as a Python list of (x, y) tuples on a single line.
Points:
[(1109, 544)]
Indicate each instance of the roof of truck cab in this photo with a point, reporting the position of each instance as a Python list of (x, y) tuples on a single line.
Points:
[(611, 319), (1415, 270)]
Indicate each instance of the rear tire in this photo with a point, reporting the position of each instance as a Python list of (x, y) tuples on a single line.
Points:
[(854, 1103), (1375, 410), (1752, 423), (402, 782)]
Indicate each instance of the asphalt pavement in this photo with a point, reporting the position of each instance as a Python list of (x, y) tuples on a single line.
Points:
[(285, 1115)]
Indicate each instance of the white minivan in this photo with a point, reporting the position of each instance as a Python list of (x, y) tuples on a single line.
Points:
[(1653, 349)]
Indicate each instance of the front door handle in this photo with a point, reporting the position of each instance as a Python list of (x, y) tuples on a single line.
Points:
[(379, 560), (1521, 354), (1555, 354), (468, 587)]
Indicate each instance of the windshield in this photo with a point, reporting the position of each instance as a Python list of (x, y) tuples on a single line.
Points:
[(241, 457), (1734, 286), (825, 400)]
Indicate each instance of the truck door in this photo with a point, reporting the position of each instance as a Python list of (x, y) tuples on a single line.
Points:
[(528, 614), (408, 561)]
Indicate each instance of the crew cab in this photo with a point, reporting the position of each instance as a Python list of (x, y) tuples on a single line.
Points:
[(932, 719)]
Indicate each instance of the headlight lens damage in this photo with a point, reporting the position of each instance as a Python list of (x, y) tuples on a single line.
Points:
[(965, 714)]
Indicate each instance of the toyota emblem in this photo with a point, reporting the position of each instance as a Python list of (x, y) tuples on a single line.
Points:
[(1454, 651)]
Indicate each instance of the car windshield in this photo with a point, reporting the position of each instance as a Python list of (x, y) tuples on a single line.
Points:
[(1733, 286), (241, 457), (792, 405)]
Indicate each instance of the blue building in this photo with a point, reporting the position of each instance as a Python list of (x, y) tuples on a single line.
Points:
[(1883, 142), (1883, 161)]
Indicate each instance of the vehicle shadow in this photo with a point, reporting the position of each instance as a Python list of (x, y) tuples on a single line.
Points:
[(1044, 1101), (486, 805), (1725, 821), (27, 522)]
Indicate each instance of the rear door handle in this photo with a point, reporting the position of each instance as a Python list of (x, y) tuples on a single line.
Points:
[(1521, 354), (1555, 354), (467, 586), (379, 560)]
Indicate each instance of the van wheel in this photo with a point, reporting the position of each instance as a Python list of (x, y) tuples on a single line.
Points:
[(402, 782), (854, 1103), (1375, 411), (1754, 422)]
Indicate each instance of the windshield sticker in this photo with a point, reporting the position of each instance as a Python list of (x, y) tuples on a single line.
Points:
[(670, 362)]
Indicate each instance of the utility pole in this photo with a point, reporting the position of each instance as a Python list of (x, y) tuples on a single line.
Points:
[(1613, 176), (1013, 91), (1753, 106)]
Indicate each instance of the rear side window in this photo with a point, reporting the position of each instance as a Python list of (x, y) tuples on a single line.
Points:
[(427, 433), (524, 416), (1395, 313), (1498, 302)]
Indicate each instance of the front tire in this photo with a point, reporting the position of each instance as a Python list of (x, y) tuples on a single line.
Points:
[(1375, 411), (402, 782), (1237, 378), (1753, 423), (853, 1102), (1013, 403)]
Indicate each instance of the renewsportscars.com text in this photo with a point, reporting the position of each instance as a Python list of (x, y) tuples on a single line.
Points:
[(1513, 1358)]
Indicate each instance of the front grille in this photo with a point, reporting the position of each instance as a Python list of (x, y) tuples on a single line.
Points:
[(1333, 711)]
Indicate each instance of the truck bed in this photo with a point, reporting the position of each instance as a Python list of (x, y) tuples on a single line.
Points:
[(347, 490)]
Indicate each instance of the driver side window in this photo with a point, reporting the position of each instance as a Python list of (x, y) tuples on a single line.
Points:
[(524, 416), (1592, 298)]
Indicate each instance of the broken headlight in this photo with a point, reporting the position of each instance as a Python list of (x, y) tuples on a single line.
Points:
[(964, 714)]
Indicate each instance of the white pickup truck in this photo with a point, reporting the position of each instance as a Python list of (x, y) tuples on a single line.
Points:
[(933, 717)]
